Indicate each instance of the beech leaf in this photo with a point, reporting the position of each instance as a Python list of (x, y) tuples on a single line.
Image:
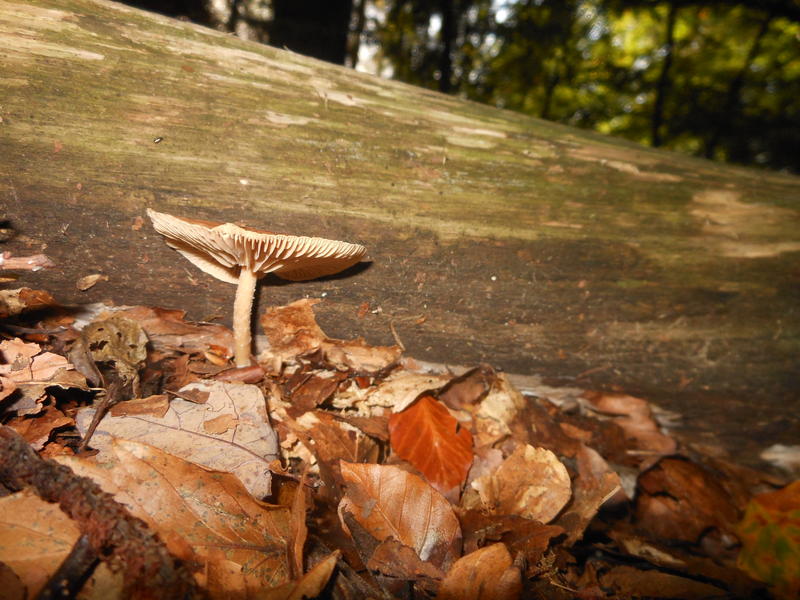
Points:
[(429, 437), (486, 574), (203, 516), (229, 432), (531, 483), (391, 503)]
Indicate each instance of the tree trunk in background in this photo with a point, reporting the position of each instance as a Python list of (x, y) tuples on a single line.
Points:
[(733, 97), (317, 28), (662, 87), (492, 236), (449, 33)]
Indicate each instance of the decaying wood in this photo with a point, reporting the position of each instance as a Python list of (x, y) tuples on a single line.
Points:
[(150, 571), (493, 237)]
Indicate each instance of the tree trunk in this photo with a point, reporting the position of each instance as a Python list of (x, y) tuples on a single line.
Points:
[(312, 27), (663, 84), (492, 236)]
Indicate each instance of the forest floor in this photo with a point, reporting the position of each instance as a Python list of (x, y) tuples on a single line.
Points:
[(137, 461)]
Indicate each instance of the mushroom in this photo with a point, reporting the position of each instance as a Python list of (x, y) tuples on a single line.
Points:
[(242, 255)]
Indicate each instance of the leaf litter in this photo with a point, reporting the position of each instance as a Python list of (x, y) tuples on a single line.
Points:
[(338, 469)]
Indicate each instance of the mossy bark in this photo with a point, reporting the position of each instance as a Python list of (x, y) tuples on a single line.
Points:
[(493, 236)]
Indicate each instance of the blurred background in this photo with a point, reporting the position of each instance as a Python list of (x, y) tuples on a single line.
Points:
[(718, 79)]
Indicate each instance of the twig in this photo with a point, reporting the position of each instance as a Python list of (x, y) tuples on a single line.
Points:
[(149, 570), (68, 580), (396, 337), (110, 398)]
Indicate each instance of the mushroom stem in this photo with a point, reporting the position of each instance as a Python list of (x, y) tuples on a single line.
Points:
[(242, 310)]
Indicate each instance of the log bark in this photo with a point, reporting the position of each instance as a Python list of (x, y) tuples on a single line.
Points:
[(493, 237)]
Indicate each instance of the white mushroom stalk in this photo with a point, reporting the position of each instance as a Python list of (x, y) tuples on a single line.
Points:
[(242, 255)]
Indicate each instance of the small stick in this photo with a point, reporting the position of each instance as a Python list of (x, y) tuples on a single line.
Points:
[(109, 399), (68, 580), (396, 337)]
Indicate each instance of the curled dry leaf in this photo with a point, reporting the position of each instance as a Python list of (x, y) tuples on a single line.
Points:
[(486, 574), (203, 516), (229, 432), (18, 301), (292, 331), (35, 262), (391, 503), (531, 483), (37, 431), (89, 281), (429, 437), (596, 483), (680, 500), (168, 330), (497, 411), (397, 391), (635, 417), (25, 367), (26, 363), (310, 585)]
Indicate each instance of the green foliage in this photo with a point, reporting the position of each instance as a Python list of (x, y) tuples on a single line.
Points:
[(720, 79)]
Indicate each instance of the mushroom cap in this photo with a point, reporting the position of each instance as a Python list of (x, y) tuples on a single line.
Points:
[(221, 249)]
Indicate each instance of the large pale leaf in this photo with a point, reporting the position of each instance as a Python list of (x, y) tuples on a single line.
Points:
[(391, 503), (429, 437), (228, 432)]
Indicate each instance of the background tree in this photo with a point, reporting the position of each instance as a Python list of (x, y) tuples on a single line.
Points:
[(714, 78)]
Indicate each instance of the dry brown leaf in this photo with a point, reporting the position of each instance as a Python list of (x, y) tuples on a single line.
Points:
[(486, 574), (596, 483), (202, 515), (331, 441), (394, 559), (310, 585), (635, 417), (26, 363), (497, 411), (37, 430), (468, 389), (531, 538), (169, 331), (89, 281), (397, 391), (35, 262), (18, 301), (429, 437), (292, 331), (156, 406), (35, 536), (7, 387), (680, 500), (531, 483), (32, 371), (391, 503), (245, 445)]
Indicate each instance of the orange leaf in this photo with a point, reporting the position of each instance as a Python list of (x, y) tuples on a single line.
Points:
[(391, 503), (428, 436)]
